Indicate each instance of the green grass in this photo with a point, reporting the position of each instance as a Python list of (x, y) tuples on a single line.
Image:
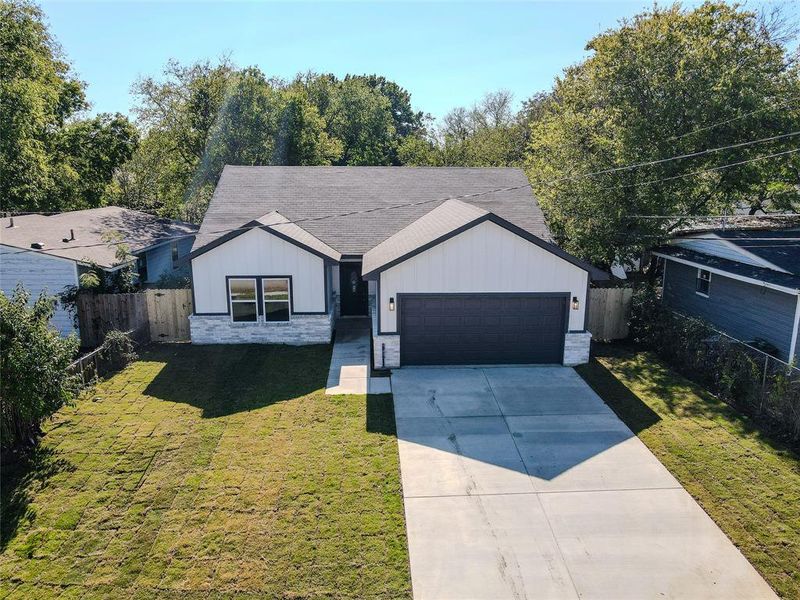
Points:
[(210, 472), (748, 483)]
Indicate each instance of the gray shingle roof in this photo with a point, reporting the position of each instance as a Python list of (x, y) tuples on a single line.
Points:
[(277, 222), (441, 221), (139, 230), (786, 280), (309, 195), (779, 247)]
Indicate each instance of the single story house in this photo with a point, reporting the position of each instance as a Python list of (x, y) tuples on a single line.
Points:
[(745, 282), (47, 253), (453, 265)]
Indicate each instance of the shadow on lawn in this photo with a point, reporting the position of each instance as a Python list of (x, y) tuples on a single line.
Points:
[(224, 380), (627, 405), (380, 414), (19, 478)]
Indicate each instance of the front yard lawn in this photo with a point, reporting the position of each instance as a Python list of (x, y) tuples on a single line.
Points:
[(748, 483), (210, 472)]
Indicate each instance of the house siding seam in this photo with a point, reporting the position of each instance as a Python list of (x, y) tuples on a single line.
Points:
[(740, 309), (577, 345), (301, 330)]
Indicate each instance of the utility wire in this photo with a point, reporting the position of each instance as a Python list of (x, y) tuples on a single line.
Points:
[(671, 158), (731, 120), (700, 171), (406, 205), (572, 177)]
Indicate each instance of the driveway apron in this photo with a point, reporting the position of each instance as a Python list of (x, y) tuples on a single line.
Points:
[(519, 482)]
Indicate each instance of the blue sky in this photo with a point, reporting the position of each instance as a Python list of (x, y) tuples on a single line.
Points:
[(445, 53)]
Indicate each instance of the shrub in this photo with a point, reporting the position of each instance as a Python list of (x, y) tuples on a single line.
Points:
[(117, 350), (737, 373), (34, 361)]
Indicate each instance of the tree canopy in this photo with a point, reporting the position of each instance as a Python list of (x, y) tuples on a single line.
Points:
[(50, 159), (666, 83), (597, 147)]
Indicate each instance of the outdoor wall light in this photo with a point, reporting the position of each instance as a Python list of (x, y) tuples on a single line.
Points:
[(391, 303), (575, 304)]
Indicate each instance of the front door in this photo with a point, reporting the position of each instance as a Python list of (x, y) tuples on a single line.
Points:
[(353, 290)]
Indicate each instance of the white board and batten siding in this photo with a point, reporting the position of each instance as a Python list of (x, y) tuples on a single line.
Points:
[(257, 253), (39, 273), (486, 258)]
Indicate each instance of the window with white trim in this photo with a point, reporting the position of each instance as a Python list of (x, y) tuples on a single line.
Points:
[(244, 304), (703, 282), (277, 303)]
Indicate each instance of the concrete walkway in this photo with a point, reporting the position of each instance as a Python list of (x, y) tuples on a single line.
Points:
[(521, 483), (350, 361)]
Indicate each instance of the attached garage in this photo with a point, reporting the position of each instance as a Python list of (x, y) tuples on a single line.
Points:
[(463, 286), (463, 329)]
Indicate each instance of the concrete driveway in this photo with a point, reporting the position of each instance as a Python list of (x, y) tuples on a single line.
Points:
[(522, 483)]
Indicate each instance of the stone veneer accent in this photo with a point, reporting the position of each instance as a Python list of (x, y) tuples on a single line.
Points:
[(385, 348), (576, 348), (302, 329)]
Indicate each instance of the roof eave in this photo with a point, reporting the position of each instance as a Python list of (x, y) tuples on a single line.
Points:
[(595, 274)]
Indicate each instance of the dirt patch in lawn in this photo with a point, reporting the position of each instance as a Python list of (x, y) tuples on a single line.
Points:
[(204, 471)]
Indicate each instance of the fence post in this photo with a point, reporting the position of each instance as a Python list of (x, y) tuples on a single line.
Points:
[(764, 384)]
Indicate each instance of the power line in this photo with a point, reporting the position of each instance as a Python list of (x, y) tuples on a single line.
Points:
[(409, 204), (671, 158), (700, 171), (731, 120), (570, 178)]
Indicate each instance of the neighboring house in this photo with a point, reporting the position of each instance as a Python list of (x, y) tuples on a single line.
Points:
[(48, 253), (284, 251), (744, 282)]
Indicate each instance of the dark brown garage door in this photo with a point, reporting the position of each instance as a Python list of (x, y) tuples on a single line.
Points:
[(472, 329)]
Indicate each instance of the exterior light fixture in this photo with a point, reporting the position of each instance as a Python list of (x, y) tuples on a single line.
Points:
[(391, 303), (575, 303)]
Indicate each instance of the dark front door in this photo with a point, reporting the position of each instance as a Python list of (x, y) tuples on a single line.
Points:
[(475, 329), (353, 290)]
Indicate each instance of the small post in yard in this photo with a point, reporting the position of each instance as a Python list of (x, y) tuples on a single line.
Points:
[(764, 383)]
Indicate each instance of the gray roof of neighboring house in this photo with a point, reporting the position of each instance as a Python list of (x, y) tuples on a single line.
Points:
[(139, 230), (379, 201), (787, 280), (779, 247)]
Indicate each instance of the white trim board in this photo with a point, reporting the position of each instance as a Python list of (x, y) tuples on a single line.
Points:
[(793, 343), (773, 286)]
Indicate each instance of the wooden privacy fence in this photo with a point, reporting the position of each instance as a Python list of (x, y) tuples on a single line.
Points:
[(161, 315), (609, 310)]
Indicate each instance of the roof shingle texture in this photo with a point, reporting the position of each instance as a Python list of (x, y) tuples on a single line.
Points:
[(442, 220), (311, 195), (787, 280), (139, 230)]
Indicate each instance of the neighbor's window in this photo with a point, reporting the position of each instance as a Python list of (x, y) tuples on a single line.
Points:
[(244, 306), (703, 282), (276, 299), (175, 255)]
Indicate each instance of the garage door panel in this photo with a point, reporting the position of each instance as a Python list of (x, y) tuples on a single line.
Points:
[(482, 329)]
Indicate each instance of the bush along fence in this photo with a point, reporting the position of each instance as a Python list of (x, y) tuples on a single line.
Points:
[(114, 354), (740, 374)]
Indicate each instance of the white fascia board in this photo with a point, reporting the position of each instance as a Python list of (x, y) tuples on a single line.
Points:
[(762, 262), (730, 275), (793, 344)]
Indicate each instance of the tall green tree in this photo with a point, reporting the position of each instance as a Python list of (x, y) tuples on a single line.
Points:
[(668, 82), (49, 159)]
